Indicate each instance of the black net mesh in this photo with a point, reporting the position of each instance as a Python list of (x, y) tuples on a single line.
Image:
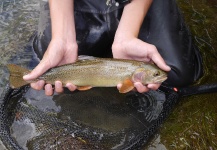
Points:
[(99, 118)]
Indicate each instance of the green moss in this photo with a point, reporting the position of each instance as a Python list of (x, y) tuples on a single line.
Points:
[(193, 123)]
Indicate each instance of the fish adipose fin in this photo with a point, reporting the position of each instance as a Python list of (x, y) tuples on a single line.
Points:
[(127, 86), (84, 88), (16, 75)]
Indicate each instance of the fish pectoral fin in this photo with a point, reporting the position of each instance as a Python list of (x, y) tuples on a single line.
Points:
[(84, 88), (127, 86)]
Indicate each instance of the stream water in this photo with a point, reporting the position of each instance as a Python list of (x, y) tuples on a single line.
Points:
[(192, 125)]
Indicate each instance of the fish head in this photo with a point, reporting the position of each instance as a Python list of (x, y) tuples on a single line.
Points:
[(149, 75)]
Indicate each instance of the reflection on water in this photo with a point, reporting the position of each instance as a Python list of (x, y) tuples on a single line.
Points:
[(18, 22)]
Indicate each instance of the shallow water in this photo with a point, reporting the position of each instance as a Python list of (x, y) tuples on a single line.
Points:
[(192, 125), (18, 22)]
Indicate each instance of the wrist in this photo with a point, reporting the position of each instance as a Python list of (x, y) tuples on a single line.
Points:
[(120, 46), (65, 44), (64, 31), (121, 40)]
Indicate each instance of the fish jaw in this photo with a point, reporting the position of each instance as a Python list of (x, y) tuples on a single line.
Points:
[(160, 80)]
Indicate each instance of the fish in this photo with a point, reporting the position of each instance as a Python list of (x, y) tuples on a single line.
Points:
[(89, 71)]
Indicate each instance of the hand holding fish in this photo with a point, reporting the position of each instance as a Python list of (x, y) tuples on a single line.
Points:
[(134, 75), (126, 44), (88, 72), (57, 54), (136, 49), (63, 47)]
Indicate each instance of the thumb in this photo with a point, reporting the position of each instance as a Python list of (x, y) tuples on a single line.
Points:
[(159, 61), (41, 68)]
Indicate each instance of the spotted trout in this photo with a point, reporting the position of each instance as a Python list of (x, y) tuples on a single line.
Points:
[(88, 72)]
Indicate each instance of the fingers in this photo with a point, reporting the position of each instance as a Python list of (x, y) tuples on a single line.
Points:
[(141, 88), (38, 85), (48, 89), (71, 87), (35, 73), (142, 51), (158, 60), (153, 86), (38, 71), (58, 87)]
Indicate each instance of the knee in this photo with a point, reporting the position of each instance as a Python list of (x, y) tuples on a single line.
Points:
[(180, 77)]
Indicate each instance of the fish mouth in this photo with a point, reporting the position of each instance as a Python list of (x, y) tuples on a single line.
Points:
[(161, 79)]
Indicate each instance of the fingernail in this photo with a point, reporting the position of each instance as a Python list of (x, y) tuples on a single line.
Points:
[(48, 90), (119, 86), (58, 87), (58, 84), (25, 77)]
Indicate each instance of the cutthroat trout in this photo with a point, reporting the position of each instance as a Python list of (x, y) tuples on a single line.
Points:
[(89, 72)]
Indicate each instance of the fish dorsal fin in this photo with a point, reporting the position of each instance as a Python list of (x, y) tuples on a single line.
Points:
[(85, 57)]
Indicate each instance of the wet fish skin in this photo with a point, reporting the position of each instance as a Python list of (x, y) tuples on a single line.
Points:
[(96, 72)]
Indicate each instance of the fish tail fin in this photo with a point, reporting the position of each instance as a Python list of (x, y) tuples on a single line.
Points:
[(16, 75)]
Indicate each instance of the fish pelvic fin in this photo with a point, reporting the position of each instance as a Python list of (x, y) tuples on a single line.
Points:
[(16, 75), (127, 86)]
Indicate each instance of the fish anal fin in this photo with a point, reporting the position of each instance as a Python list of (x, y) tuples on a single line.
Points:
[(84, 88), (127, 86)]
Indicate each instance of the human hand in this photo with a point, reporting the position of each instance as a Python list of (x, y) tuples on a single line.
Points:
[(136, 49), (58, 53)]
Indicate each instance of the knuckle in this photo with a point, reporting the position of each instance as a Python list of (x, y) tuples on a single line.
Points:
[(153, 48)]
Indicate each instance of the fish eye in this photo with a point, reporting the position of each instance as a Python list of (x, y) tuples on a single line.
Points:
[(156, 73)]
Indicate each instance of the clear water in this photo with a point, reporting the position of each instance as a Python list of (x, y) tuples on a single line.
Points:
[(18, 22)]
